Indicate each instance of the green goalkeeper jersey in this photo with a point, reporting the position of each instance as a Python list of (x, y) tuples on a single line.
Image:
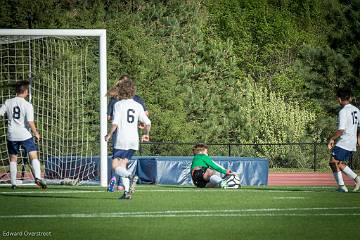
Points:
[(203, 160)]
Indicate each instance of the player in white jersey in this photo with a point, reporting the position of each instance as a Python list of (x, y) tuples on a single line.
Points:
[(348, 137), (127, 114), (20, 112), (113, 92)]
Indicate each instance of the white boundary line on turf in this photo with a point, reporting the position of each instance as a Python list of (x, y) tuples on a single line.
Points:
[(286, 198), (50, 192), (194, 190), (184, 216), (266, 212)]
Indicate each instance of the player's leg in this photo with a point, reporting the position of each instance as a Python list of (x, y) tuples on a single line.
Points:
[(124, 174), (351, 174), (334, 165), (36, 169), (13, 170), (338, 155), (116, 163), (113, 179), (213, 179), (35, 163), (120, 186), (133, 179), (13, 150), (31, 149), (120, 169)]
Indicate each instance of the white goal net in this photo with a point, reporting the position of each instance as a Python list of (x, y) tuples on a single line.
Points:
[(67, 90)]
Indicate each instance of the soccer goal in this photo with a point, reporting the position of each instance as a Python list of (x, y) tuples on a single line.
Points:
[(68, 76)]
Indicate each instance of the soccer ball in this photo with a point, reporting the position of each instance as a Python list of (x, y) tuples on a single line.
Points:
[(233, 182)]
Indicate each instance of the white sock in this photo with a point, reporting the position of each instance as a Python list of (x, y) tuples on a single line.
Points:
[(36, 166), (126, 183), (350, 173), (215, 179), (13, 172), (339, 179), (122, 172)]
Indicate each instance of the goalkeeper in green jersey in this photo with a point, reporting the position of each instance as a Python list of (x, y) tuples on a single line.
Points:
[(203, 169)]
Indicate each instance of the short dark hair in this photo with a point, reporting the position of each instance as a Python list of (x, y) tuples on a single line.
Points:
[(200, 147), (22, 86), (344, 94)]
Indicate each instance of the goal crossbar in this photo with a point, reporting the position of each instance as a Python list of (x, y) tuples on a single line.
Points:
[(101, 33)]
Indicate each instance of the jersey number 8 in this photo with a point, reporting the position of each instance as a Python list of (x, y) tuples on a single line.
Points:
[(16, 112)]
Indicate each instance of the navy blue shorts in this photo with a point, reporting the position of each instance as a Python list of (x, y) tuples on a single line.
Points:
[(28, 144), (118, 153), (341, 154)]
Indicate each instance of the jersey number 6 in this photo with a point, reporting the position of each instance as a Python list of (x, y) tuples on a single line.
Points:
[(130, 115)]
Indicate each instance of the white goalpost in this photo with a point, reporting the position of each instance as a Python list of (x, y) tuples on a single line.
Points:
[(68, 75)]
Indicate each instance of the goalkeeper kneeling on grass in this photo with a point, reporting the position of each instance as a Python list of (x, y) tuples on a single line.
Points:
[(203, 169)]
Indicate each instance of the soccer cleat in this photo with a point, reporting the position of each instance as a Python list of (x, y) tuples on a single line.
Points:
[(13, 187), (223, 184), (111, 186), (41, 183), (133, 183), (357, 185), (126, 196), (342, 188)]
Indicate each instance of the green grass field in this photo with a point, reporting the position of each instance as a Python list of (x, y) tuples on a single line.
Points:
[(168, 212)]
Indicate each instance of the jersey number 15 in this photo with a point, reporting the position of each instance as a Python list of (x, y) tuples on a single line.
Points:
[(354, 117)]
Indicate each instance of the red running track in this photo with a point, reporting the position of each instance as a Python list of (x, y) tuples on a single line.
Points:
[(305, 179)]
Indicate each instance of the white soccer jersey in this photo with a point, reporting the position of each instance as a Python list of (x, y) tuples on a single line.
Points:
[(127, 114), (18, 112), (349, 122)]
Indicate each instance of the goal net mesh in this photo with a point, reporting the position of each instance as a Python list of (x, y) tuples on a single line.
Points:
[(64, 76)]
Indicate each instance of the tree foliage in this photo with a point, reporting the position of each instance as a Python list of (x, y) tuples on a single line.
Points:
[(221, 70)]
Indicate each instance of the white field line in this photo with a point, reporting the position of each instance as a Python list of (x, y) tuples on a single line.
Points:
[(153, 190), (285, 198), (265, 212), (185, 216), (52, 192)]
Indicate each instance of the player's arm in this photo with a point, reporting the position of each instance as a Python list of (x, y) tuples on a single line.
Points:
[(34, 130), (332, 140), (341, 128), (31, 122), (2, 110), (358, 134), (142, 103), (116, 119), (146, 130), (110, 108), (111, 132), (143, 118), (216, 166)]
